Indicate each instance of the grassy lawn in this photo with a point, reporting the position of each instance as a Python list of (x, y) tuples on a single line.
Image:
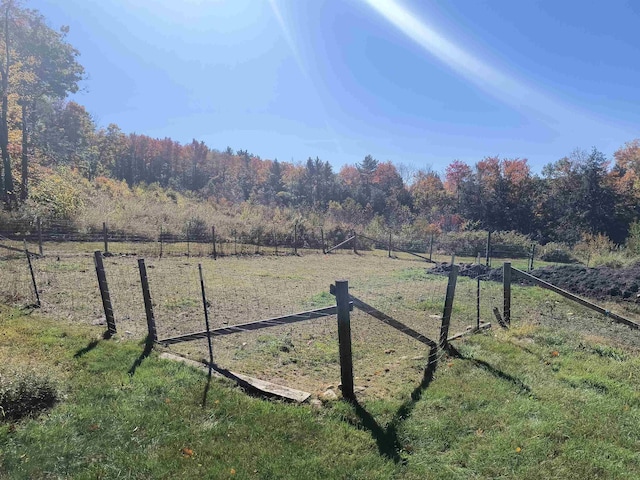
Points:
[(528, 403)]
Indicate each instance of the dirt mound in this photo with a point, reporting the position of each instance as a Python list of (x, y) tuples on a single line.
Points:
[(598, 283)]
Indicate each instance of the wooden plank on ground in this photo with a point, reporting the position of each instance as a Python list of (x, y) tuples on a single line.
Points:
[(383, 317), (262, 386), (575, 298), (483, 326), (251, 326)]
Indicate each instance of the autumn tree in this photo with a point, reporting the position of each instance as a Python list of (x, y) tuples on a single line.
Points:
[(36, 63)]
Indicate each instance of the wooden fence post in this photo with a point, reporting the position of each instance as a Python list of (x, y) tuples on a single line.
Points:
[(506, 282), (213, 243), (33, 277), (389, 244), (533, 253), (104, 293), (275, 241), (105, 237), (355, 242), (344, 338), (478, 302), (431, 248), (448, 306), (322, 241), (161, 240), (188, 242), (206, 314), (295, 238), (488, 250), (40, 251), (148, 306)]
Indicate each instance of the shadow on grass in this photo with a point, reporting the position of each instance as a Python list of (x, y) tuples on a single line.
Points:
[(519, 384), (206, 387), (387, 438), (93, 344), (148, 348)]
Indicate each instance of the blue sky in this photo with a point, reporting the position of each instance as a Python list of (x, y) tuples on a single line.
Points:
[(416, 82)]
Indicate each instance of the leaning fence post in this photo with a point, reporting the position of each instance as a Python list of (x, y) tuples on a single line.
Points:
[(355, 242), (206, 314), (506, 281), (105, 237), (33, 277), (148, 306), (104, 292), (344, 338), (40, 237), (448, 306), (324, 250)]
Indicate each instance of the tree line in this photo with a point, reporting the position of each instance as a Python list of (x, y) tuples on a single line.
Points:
[(581, 193)]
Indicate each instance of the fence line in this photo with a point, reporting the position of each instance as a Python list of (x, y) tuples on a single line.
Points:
[(200, 239)]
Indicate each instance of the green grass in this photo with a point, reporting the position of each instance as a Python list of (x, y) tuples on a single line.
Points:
[(530, 403), (152, 424)]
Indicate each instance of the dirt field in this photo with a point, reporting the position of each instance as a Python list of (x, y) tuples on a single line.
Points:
[(253, 287)]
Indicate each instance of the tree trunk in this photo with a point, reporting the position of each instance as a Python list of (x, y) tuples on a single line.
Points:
[(8, 193), (24, 190)]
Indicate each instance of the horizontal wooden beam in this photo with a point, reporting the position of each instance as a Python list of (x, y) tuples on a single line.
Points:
[(398, 249), (383, 317), (19, 250), (251, 326), (575, 298)]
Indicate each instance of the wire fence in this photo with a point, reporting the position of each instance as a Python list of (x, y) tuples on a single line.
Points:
[(57, 237), (241, 290)]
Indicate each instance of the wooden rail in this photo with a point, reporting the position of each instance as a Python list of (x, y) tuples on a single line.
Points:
[(396, 248), (383, 317), (248, 327), (340, 244), (575, 298), (19, 250)]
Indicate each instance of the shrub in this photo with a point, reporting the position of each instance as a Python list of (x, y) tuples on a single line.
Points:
[(25, 392), (556, 253), (58, 195)]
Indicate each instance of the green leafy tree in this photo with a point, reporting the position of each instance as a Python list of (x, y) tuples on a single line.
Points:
[(36, 63)]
